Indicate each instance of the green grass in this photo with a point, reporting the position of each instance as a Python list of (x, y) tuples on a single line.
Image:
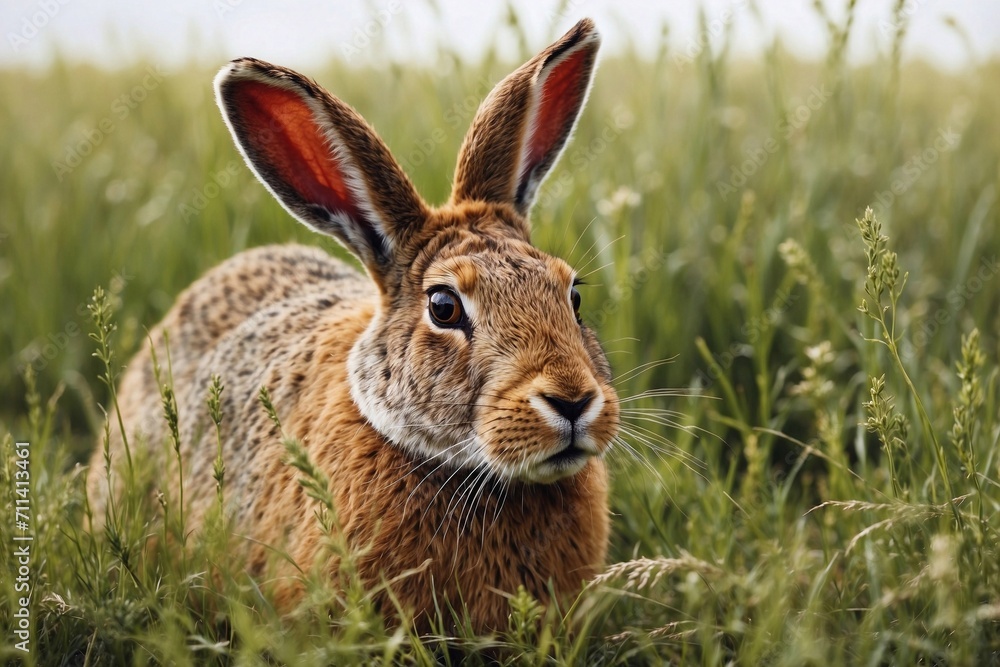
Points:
[(832, 496)]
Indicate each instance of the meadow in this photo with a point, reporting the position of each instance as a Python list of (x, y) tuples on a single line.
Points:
[(812, 474)]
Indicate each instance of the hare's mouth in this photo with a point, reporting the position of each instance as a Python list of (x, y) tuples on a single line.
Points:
[(567, 455), (568, 461)]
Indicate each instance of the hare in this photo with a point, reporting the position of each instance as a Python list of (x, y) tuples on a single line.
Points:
[(453, 396)]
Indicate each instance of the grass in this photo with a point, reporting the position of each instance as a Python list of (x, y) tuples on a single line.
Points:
[(818, 484)]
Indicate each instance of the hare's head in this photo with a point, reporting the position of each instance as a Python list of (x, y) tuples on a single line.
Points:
[(477, 354)]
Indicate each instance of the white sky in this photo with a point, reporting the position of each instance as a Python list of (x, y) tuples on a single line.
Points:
[(300, 33)]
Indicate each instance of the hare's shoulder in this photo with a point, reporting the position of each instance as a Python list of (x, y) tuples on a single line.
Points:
[(254, 291), (255, 282)]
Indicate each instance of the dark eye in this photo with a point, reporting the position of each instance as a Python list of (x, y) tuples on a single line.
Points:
[(574, 297), (445, 308)]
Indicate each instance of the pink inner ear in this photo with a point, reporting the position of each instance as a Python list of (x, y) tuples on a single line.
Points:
[(561, 97), (282, 128)]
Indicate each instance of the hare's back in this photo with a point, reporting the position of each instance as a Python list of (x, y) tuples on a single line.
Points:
[(239, 315), (248, 285)]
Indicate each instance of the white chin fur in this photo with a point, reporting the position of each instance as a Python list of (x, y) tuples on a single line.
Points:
[(547, 473)]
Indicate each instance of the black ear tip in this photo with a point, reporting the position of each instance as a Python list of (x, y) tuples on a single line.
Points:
[(585, 30), (245, 67), (234, 69)]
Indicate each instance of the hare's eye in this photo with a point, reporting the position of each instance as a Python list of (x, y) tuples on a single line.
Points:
[(574, 297), (445, 308)]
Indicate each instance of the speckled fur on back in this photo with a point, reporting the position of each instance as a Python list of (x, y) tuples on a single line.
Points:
[(453, 396)]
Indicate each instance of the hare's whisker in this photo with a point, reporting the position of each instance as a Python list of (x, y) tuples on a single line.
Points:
[(632, 454), (662, 420), (689, 429), (586, 253), (642, 368), (475, 499), (441, 488), (505, 486), (494, 420), (435, 424), (580, 237), (666, 393), (653, 440), (466, 484), (638, 457), (599, 252), (665, 418), (593, 271), (690, 462), (454, 404), (463, 444), (618, 340)]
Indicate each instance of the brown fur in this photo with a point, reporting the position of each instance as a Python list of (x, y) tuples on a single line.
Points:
[(450, 450), (387, 503)]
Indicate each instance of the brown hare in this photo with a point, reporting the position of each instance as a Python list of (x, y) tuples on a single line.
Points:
[(453, 396)]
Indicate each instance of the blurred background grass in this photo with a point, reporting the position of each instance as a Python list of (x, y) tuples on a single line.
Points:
[(712, 201)]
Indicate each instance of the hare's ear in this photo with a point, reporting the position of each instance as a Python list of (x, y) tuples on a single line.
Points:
[(523, 125), (320, 159)]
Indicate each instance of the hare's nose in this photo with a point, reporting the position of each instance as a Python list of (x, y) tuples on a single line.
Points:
[(569, 408)]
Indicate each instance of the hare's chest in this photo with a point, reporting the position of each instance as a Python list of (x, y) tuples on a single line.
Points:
[(470, 540)]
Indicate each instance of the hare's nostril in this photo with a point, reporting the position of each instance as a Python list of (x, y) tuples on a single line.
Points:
[(570, 409)]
